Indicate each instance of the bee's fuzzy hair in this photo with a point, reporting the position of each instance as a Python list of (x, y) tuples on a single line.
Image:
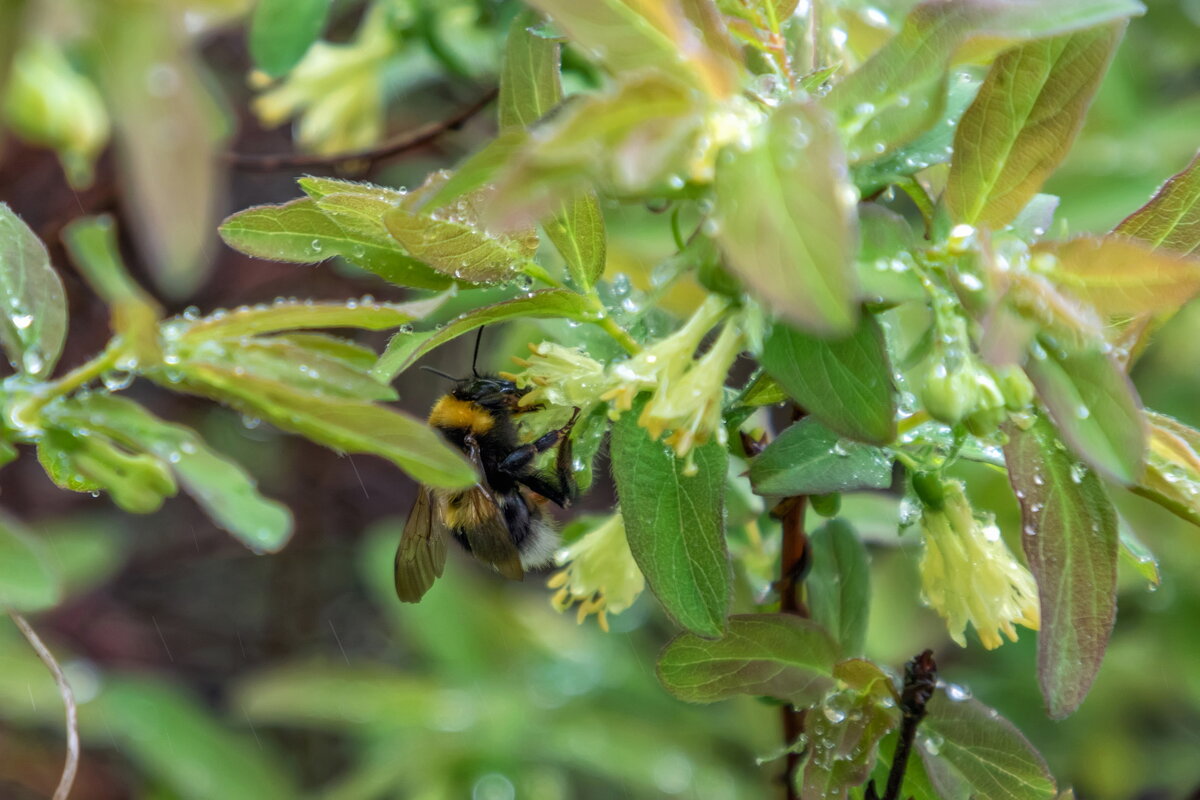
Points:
[(540, 545)]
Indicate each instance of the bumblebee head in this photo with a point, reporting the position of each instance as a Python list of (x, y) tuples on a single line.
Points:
[(489, 392)]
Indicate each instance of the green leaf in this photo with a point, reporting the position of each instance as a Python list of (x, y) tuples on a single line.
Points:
[(529, 76), (351, 354), (220, 486), (84, 461), (281, 31), (343, 425), (900, 92), (917, 785), (34, 322), (843, 735), (300, 232), (934, 146), (845, 383), (586, 439), (965, 744), (885, 257), (1171, 220), (92, 243), (1121, 277), (278, 359), (577, 231), (839, 585), (786, 224), (170, 134), (87, 550), (461, 249), (675, 523), (628, 139), (685, 40), (338, 697), (173, 739), (1023, 122), (1070, 540), (478, 170), (1094, 406), (808, 458), (1172, 476), (776, 655), (1137, 555), (295, 315), (406, 348), (26, 581), (320, 186)]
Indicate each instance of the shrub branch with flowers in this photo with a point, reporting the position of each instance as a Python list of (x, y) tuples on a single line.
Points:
[(904, 332)]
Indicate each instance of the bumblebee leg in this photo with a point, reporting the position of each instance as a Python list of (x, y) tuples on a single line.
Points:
[(477, 460), (516, 462)]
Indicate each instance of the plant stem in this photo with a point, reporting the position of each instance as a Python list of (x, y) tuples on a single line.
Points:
[(619, 334), (793, 563), (539, 273), (920, 680), (914, 189), (68, 697), (911, 421), (602, 319), (794, 558), (88, 371), (408, 140)]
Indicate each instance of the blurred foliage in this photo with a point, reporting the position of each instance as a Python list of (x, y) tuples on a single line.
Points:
[(694, 186)]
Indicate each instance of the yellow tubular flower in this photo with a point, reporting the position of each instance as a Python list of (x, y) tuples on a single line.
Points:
[(599, 573), (561, 376), (968, 574), (665, 361), (50, 103), (336, 90), (690, 407)]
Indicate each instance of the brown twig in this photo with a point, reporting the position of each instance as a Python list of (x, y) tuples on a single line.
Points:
[(920, 680), (248, 162), (68, 698), (793, 564)]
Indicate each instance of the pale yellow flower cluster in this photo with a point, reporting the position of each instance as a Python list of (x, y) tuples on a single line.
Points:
[(336, 91), (968, 574), (686, 391), (599, 573), (50, 103)]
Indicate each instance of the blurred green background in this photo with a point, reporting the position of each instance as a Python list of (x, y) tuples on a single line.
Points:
[(204, 671)]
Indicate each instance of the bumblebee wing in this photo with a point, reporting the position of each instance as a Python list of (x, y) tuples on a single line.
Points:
[(489, 537), (422, 551)]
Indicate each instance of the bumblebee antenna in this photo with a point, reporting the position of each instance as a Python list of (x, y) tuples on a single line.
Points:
[(441, 374), (475, 357)]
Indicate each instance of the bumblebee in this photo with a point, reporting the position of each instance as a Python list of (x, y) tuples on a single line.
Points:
[(500, 520)]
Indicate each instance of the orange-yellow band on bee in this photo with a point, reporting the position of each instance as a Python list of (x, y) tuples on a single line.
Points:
[(450, 412), (469, 509)]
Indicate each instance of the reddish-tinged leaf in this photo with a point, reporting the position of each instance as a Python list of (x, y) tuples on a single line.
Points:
[(681, 38), (1171, 220), (1070, 538), (1095, 407), (1120, 277), (971, 751), (1022, 123), (1172, 476), (776, 655), (786, 225)]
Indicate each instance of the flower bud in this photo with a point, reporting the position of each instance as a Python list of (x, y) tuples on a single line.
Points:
[(949, 394), (968, 574), (1016, 387)]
